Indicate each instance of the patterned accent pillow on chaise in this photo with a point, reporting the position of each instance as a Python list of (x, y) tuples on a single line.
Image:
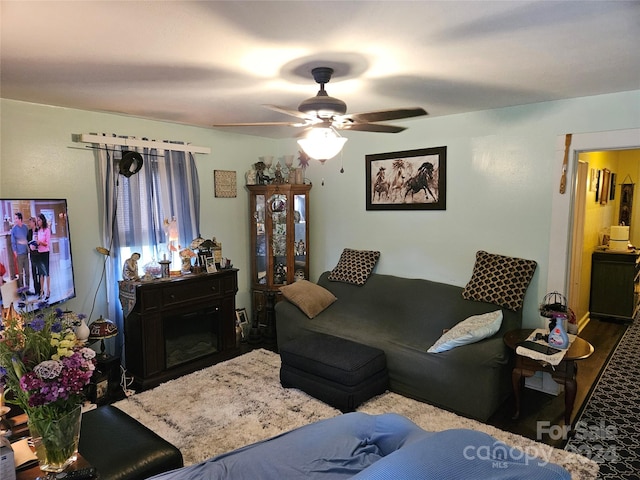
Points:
[(500, 280), (354, 266)]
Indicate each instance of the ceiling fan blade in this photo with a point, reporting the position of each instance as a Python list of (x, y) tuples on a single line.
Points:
[(261, 124), (384, 115), (287, 111), (370, 127)]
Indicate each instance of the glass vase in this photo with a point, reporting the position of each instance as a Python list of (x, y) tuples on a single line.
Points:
[(56, 439)]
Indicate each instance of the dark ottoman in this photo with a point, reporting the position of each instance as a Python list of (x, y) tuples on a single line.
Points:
[(121, 448), (337, 371)]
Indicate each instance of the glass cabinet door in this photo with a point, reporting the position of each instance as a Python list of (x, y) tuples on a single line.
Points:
[(300, 237), (260, 255), (280, 235)]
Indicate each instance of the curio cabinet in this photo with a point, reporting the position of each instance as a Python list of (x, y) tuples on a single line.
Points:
[(279, 224)]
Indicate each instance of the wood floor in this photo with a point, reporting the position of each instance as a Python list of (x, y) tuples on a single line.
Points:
[(540, 412)]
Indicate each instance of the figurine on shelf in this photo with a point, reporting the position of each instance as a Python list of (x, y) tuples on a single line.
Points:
[(300, 250), (130, 269), (261, 173), (278, 177), (186, 254), (251, 176), (279, 273)]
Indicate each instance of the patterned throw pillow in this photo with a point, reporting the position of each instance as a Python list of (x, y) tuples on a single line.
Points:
[(471, 330), (354, 266), (308, 297), (500, 280)]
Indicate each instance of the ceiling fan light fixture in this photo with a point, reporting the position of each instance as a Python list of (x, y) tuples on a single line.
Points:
[(322, 143)]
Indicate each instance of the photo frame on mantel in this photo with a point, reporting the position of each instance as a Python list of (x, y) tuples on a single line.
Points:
[(407, 180)]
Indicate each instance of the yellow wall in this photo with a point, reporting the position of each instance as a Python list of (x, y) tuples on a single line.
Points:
[(625, 164), (629, 172)]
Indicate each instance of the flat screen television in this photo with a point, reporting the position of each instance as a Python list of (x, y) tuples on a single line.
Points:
[(61, 285)]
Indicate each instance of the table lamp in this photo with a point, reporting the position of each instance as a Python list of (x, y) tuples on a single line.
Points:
[(99, 330)]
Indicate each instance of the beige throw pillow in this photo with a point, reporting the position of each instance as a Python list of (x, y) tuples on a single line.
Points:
[(308, 297)]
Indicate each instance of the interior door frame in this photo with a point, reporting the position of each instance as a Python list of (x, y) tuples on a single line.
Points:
[(563, 205), (577, 236)]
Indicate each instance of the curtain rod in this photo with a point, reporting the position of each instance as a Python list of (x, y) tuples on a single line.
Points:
[(134, 142)]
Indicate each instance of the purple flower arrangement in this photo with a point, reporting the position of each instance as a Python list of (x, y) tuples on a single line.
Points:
[(42, 363)]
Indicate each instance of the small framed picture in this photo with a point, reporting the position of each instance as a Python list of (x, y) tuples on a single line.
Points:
[(225, 183), (243, 320), (211, 265), (101, 390)]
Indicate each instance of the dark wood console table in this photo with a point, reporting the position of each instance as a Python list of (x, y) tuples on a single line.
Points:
[(178, 325)]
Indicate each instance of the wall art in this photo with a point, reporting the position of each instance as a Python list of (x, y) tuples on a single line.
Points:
[(242, 319), (612, 187), (626, 204), (225, 183), (407, 180), (604, 190)]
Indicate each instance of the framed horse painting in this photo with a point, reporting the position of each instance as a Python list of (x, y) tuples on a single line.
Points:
[(407, 180)]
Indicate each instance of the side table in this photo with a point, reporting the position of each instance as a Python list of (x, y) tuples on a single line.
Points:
[(105, 383), (564, 373)]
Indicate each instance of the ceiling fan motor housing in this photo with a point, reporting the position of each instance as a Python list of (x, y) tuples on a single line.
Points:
[(322, 104)]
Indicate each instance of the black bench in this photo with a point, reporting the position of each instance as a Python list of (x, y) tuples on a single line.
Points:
[(121, 448), (337, 371)]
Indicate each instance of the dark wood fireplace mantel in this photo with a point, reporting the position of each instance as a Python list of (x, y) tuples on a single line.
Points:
[(198, 307)]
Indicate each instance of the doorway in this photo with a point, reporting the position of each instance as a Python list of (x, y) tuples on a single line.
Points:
[(595, 211), (563, 204)]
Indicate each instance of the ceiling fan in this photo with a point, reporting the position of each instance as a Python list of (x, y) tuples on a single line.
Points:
[(324, 111)]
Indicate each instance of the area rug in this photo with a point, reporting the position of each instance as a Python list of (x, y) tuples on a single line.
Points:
[(607, 429), (241, 401)]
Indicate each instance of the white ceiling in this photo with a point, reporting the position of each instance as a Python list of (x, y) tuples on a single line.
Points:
[(206, 62)]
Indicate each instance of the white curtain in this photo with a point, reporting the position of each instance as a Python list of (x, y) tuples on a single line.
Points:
[(134, 210)]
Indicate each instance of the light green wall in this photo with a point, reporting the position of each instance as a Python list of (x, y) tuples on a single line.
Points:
[(38, 158), (500, 169)]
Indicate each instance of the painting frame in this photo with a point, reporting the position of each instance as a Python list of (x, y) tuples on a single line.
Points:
[(612, 187), (211, 265), (225, 184), (626, 204), (417, 180), (604, 193), (242, 319)]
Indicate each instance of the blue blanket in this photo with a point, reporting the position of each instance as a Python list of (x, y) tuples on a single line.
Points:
[(372, 447)]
